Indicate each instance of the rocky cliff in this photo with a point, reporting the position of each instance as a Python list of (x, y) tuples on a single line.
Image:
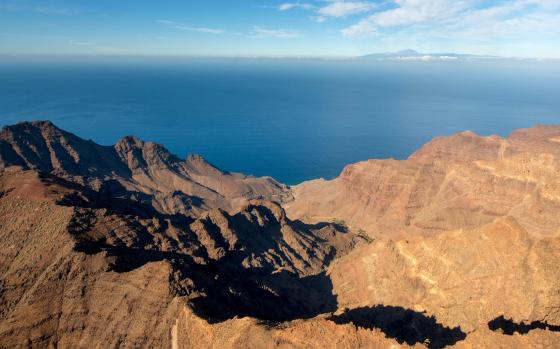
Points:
[(130, 246), (459, 182)]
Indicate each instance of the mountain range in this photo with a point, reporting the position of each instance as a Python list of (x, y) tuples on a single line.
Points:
[(131, 246)]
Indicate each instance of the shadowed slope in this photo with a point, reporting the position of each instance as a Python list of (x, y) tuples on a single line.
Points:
[(509, 327), (254, 263), (129, 246), (141, 168), (404, 325)]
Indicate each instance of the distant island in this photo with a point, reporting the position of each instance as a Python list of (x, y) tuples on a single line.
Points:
[(412, 55)]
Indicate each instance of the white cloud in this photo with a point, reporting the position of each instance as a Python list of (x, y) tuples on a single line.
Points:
[(180, 26), (407, 13), (200, 29), (522, 28), (461, 20), (261, 33), (425, 58), (295, 5), (256, 32), (165, 21), (345, 8), (333, 8)]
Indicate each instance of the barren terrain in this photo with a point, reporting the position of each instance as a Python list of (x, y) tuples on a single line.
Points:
[(130, 246)]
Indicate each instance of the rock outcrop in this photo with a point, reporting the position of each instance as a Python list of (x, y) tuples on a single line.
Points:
[(463, 181), (129, 246), (75, 261), (145, 170)]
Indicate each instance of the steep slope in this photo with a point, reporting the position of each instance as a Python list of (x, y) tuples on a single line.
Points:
[(464, 278), (129, 246), (74, 261), (53, 295), (461, 181), (145, 169)]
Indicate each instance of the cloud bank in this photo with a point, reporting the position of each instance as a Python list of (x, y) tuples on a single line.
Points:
[(477, 25)]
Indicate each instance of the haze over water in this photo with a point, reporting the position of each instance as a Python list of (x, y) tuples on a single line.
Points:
[(290, 119)]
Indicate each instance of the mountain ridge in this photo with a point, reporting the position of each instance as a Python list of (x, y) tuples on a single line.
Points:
[(131, 246), (144, 167)]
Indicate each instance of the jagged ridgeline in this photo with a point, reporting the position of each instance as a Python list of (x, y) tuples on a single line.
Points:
[(131, 246)]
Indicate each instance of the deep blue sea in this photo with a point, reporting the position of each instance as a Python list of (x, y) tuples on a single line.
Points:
[(290, 119)]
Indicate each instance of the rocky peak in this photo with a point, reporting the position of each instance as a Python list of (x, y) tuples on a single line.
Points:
[(457, 246), (42, 146), (148, 168), (141, 155)]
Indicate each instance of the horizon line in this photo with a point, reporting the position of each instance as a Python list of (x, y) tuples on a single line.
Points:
[(466, 56)]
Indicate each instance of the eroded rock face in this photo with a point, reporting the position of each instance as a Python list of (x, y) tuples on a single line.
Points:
[(130, 246), (75, 261), (52, 294), (132, 167), (460, 182), (465, 278)]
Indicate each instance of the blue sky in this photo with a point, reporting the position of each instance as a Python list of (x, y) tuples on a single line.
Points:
[(517, 28)]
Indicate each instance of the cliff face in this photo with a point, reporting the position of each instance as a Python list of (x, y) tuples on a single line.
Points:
[(132, 167), (465, 278), (74, 262), (460, 182), (130, 246)]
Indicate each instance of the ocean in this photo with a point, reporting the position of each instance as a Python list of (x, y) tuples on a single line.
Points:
[(292, 119)]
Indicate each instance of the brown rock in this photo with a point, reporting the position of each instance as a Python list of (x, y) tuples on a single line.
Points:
[(130, 246)]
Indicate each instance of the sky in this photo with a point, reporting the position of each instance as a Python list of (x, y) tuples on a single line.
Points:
[(301, 28)]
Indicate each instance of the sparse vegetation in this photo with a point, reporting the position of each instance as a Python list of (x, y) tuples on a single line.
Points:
[(364, 235), (341, 223)]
